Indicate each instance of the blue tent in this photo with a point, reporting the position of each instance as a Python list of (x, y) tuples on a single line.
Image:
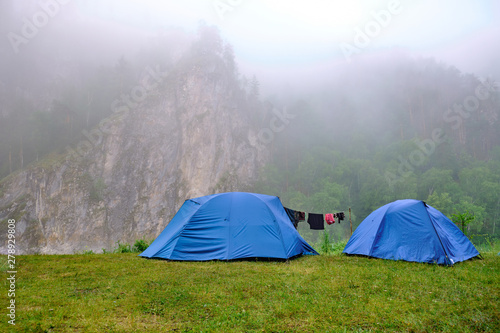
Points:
[(410, 230), (229, 226)]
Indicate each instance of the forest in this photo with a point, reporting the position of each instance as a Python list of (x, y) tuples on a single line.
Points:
[(405, 128), (393, 127)]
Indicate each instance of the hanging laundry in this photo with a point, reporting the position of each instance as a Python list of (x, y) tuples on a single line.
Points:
[(291, 216), (341, 216), (302, 216), (329, 219), (297, 219), (316, 221)]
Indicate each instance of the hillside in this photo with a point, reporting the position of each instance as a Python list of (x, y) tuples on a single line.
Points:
[(180, 132), (392, 127), (113, 151)]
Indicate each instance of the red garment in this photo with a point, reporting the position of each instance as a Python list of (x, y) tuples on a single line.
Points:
[(329, 219)]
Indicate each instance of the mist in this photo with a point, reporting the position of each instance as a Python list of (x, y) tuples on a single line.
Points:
[(280, 42), (321, 165), (359, 86)]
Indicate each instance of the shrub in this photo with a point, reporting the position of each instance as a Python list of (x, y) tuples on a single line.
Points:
[(325, 245), (339, 246), (462, 220), (85, 251), (122, 248), (140, 245)]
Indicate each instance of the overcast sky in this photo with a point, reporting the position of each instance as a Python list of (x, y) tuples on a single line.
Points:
[(281, 34), (273, 37)]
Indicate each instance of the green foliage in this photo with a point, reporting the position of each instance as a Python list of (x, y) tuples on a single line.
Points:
[(140, 245), (86, 251), (122, 248), (125, 293), (462, 220), (441, 201), (323, 175), (325, 245), (338, 247), (484, 243)]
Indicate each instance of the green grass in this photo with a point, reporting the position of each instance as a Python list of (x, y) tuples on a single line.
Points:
[(336, 293)]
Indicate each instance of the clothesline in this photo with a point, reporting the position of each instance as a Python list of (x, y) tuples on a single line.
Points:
[(315, 221)]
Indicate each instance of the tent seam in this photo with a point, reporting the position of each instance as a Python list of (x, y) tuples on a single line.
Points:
[(186, 224), (378, 229), (275, 221), (439, 238)]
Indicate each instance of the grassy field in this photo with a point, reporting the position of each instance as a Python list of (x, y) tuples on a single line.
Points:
[(335, 293)]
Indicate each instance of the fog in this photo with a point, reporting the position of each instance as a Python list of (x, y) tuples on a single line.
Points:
[(368, 82), (279, 41), (384, 72)]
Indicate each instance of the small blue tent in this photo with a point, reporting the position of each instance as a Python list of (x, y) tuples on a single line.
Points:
[(410, 230), (229, 226)]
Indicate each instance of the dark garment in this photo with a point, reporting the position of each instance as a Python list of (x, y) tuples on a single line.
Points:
[(297, 219), (341, 216), (291, 215), (302, 216), (316, 221)]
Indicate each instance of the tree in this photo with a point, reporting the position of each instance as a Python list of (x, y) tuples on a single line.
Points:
[(463, 219), (441, 201), (434, 179)]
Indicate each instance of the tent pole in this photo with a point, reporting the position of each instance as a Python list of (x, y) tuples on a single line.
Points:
[(350, 222)]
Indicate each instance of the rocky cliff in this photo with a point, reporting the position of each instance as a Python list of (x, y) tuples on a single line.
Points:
[(179, 133)]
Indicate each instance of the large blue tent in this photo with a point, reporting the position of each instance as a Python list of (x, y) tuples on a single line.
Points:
[(410, 230), (228, 226)]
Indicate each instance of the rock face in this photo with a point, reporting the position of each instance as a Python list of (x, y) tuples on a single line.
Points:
[(188, 137)]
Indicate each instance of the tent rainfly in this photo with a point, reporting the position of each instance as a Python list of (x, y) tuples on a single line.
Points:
[(229, 226), (410, 230)]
